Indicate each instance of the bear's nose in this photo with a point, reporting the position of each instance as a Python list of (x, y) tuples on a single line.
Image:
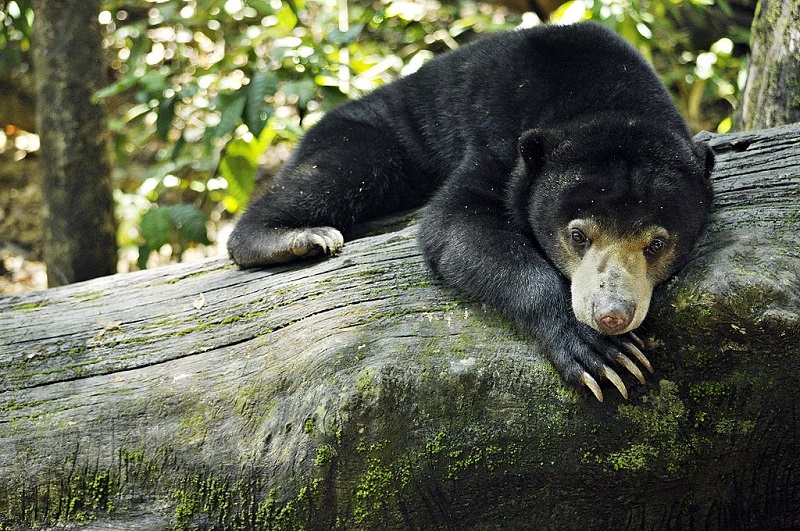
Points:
[(614, 316)]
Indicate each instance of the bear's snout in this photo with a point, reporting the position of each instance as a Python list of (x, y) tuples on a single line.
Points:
[(613, 316)]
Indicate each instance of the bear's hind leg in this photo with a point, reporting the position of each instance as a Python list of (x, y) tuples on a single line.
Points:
[(342, 173)]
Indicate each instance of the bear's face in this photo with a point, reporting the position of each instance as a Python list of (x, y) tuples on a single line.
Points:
[(617, 208), (612, 274)]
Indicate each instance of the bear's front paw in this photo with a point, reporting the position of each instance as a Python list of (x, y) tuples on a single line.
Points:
[(260, 247), (315, 241), (586, 357)]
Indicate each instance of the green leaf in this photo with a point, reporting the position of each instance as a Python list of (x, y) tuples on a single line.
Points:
[(156, 228), (239, 166), (177, 151), (176, 224), (144, 254), (166, 113), (239, 170), (256, 111), (287, 16), (123, 85), (141, 46), (189, 223), (343, 38), (231, 107), (304, 89), (241, 177), (155, 82)]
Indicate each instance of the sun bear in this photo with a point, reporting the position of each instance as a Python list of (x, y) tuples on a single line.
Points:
[(560, 180)]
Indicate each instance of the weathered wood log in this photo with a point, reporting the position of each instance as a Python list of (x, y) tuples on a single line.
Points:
[(357, 393)]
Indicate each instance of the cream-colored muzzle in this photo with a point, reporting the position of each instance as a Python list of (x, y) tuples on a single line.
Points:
[(610, 286)]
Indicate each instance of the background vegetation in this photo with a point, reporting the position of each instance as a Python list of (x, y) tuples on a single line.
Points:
[(203, 93)]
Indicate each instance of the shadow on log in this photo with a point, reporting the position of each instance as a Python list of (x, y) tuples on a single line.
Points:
[(356, 393)]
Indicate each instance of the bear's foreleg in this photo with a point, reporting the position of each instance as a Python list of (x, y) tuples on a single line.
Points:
[(470, 242)]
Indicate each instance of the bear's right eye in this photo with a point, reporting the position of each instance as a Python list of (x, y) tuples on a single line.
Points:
[(578, 239)]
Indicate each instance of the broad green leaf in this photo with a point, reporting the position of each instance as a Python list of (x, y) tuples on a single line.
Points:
[(241, 177), (239, 167), (156, 226), (166, 113), (256, 111), (123, 85), (240, 173), (189, 222), (171, 224), (231, 106), (156, 82), (286, 18), (177, 151)]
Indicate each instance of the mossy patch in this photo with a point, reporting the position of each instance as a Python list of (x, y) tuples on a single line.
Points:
[(30, 306), (375, 488), (87, 493), (664, 441)]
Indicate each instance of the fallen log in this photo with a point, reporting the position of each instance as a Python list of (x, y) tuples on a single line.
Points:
[(358, 393)]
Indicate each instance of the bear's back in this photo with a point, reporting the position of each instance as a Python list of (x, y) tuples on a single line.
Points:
[(478, 100)]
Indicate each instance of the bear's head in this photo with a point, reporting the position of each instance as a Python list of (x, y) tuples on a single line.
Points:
[(617, 205)]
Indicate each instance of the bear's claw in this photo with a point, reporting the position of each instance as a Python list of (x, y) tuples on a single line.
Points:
[(591, 383), (612, 376), (316, 240), (635, 338), (622, 358), (638, 354)]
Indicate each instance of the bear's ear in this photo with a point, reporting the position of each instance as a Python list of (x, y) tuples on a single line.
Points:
[(705, 156), (531, 148)]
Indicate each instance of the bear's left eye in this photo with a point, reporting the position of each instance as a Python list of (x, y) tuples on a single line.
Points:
[(655, 247), (578, 238)]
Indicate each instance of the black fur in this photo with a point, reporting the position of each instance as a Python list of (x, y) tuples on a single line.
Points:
[(505, 139)]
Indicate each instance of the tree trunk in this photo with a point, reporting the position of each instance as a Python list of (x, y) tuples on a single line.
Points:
[(80, 235), (357, 393), (772, 94)]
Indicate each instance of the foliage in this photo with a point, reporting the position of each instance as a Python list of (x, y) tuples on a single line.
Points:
[(16, 27), (706, 84), (173, 223), (204, 92)]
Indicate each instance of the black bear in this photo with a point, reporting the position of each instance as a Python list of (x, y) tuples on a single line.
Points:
[(561, 186)]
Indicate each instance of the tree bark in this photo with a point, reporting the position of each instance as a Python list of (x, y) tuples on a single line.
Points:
[(357, 393), (80, 235), (772, 94)]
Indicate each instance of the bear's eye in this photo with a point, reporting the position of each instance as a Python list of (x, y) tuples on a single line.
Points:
[(578, 238), (655, 247)]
